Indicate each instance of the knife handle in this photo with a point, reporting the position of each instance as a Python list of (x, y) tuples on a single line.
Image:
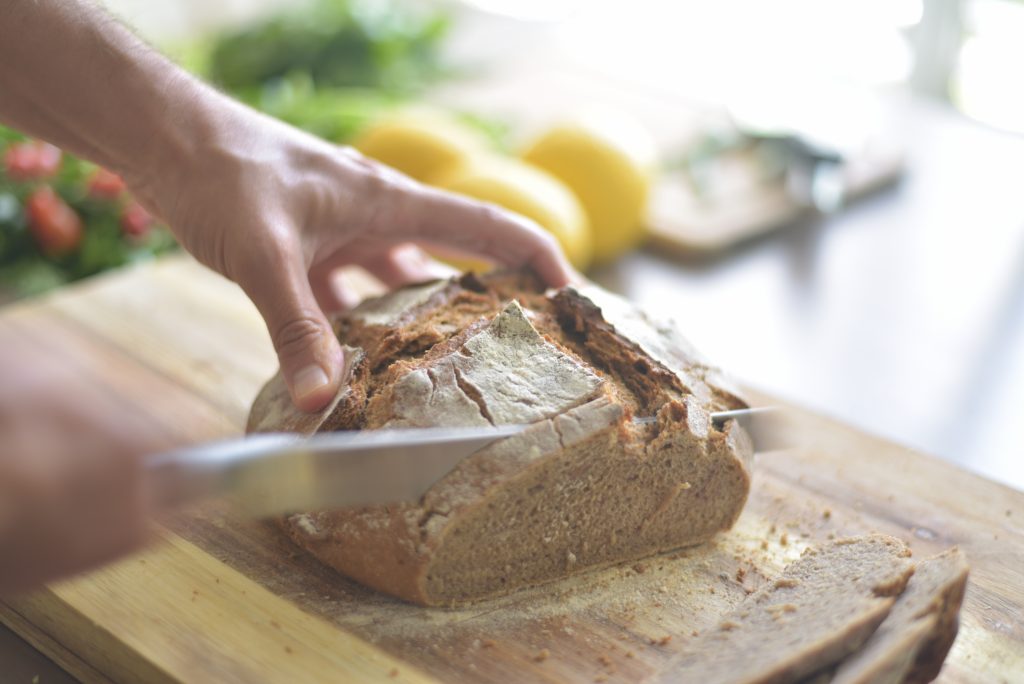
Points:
[(190, 474)]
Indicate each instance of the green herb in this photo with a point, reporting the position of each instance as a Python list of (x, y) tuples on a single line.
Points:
[(382, 44)]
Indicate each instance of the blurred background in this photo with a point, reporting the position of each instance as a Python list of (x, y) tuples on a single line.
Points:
[(827, 195)]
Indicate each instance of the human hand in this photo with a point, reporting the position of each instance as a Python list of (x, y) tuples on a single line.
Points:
[(72, 489), (278, 211)]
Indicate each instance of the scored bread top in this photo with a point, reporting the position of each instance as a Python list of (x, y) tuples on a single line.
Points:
[(420, 356)]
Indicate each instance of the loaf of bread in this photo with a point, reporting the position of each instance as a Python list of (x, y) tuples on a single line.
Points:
[(620, 459)]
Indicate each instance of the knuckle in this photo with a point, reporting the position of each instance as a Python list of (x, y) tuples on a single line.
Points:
[(297, 335), (492, 213)]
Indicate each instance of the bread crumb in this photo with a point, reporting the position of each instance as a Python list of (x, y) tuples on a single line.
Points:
[(786, 583), (826, 514), (604, 660), (629, 654), (639, 568), (772, 529), (393, 673), (764, 544), (661, 641), (542, 655), (695, 633), (489, 643), (601, 678), (728, 625), (711, 590), (570, 558), (784, 539), (780, 608), (740, 574), (288, 649)]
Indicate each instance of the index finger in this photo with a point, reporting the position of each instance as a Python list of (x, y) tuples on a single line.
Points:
[(429, 215)]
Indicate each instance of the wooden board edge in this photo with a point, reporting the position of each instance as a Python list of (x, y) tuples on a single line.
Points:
[(73, 641), (51, 647), (173, 613)]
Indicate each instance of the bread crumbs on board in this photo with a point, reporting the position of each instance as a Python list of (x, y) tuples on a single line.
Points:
[(542, 655)]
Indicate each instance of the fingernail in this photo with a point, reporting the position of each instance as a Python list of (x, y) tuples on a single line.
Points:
[(309, 380)]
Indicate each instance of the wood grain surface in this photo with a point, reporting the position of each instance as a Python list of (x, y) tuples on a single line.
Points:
[(228, 600)]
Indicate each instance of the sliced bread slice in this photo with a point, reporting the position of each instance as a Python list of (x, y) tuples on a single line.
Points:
[(822, 608), (911, 644)]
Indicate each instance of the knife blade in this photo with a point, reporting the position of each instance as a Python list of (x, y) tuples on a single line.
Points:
[(769, 427), (274, 473)]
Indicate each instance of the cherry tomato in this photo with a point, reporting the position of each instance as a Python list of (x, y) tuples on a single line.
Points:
[(32, 160), (135, 221), (54, 225), (104, 184)]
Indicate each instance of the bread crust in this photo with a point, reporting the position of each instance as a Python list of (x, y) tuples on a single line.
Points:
[(584, 485)]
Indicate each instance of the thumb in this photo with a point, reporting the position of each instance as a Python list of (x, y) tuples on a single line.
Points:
[(310, 355)]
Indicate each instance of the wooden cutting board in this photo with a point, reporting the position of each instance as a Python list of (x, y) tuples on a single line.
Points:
[(226, 600)]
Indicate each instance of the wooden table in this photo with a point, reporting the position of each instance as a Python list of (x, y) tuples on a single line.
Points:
[(222, 599)]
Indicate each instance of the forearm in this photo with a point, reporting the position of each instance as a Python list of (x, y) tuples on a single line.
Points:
[(76, 77)]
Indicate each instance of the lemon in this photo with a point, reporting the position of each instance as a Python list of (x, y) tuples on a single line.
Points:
[(422, 143), (531, 192), (608, 161)]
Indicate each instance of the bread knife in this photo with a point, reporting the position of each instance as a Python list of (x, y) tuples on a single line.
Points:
[(275, 473)]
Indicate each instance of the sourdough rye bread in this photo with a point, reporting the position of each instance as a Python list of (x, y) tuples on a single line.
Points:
[(585, 485), (911, 644), (822, 608)]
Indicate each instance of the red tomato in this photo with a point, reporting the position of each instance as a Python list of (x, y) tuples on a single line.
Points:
[(32, 160), (47, 160), (135, 221), (55, 226), (105, 184)]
